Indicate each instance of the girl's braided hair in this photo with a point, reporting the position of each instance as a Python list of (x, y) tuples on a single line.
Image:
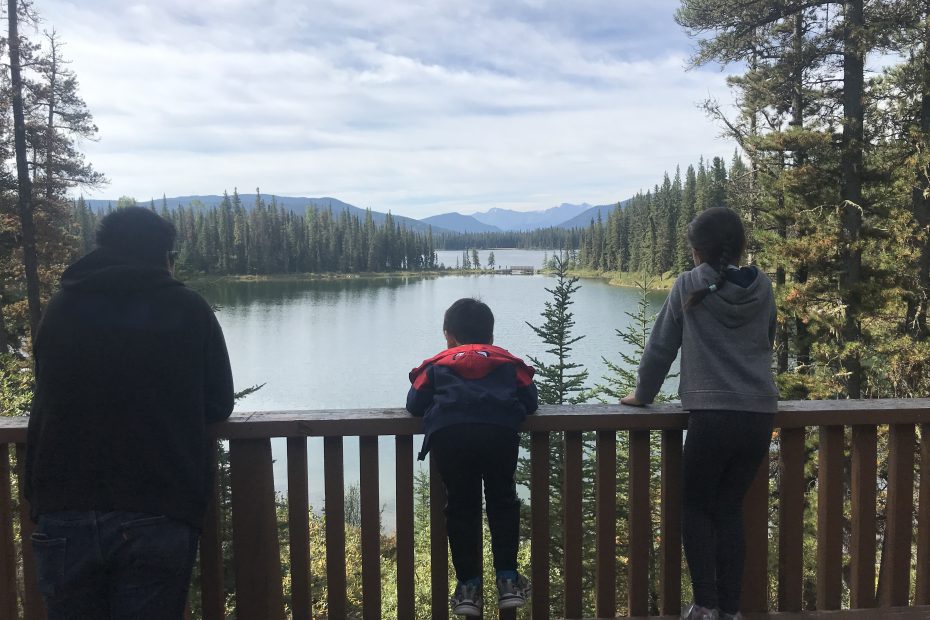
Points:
[(717, 235)]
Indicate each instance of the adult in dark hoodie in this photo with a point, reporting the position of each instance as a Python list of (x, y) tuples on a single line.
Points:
[(131, 366), (722, 318)]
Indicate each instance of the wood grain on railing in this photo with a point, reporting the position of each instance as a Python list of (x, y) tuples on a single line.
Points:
[(670, 514), (404, 508), (922, 595), (864, 472), (439, 548), (371, 527), (572, 518), (829, 518), (212, 593), (335, 511), (606, 497), (8, 595), (539, 524), (259, 592), (791, 518), (756, 524), (298, 526), (640, 524), (900, 511)]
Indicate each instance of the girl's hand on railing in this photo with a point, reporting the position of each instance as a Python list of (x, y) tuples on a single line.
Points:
[(631, 400)]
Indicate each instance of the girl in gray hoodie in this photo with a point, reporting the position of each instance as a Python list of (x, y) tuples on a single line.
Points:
[(722, 318)]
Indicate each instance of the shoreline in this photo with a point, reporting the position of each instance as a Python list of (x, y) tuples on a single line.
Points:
[(627, 279), (326, 276)]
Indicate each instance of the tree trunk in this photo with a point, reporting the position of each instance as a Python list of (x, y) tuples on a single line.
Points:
[(851, 163), (916, 322), (50, 128), (802, 336), (27, 226)]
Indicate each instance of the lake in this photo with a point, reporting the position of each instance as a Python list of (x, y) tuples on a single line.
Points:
[(350, 343)]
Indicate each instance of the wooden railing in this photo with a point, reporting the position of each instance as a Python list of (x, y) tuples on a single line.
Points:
[(257, 564)]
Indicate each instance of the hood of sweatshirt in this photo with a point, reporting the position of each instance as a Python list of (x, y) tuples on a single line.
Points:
[(472, 361), (104, 271), (733, 305)]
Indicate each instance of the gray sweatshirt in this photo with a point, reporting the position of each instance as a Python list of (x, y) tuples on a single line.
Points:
[(726, 345)]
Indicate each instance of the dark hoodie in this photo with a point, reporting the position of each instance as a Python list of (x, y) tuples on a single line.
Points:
[(726, 343), (471, 384), (130, 368)]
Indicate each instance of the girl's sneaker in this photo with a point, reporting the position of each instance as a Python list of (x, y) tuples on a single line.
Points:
[(696, 612), (512, 593), (466, 600)]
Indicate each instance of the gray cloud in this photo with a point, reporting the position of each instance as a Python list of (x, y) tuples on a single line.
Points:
[(414, 107)]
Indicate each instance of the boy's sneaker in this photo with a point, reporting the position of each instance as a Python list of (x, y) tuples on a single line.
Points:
[(696, 612), (512, 594), (466, 600)]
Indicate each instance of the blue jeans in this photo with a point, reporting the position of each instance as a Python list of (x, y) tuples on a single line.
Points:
[(113, 565)]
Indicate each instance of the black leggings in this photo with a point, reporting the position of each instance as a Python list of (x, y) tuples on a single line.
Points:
[(722, 454)]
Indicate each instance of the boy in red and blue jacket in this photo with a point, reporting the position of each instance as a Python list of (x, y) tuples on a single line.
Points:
[(473, 397)]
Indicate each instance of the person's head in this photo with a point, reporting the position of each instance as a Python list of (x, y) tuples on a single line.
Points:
[(137, 234), (717, 237), (468, 321)]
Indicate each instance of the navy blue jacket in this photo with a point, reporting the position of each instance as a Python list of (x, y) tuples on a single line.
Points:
[(471, 384)]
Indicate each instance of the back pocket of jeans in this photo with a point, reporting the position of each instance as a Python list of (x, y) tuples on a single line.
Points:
[(50, 561), (157, 542)]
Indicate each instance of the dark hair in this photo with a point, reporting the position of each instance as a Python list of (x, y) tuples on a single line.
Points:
[(717, 235), (469, 321), (137, 234)]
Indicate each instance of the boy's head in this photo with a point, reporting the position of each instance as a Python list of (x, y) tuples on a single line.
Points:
[(468, 321), (138, 234)]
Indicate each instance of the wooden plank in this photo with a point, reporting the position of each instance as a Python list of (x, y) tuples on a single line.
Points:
[(335, 511), (539, 517), (606, 498), (640, 526), (212, 591), (298, 526), (830, 518), (791, 519), (670, 586), (900, 512), (354, 422), (8, 594), (371, 527), (923, 521), (864, 470), (405, 559), (756, 527), (259, 592), (438, 545), (33, 605), (573, 527)]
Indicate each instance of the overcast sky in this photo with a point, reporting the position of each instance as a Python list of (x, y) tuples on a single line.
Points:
[(417, 107)]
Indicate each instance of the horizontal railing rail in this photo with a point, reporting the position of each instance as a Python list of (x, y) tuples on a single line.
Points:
[(847, 557)]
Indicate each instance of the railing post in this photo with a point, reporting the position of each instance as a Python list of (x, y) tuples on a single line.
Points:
[(923, 521), (572, 519), (830, 518), (670, 597), (33, 605), (900, 508), (640, 525), (791, 519), (405, 559), (371, 527), (539, 510), (7, 548), (438, 544), (756, 526), (606, 498), (335, 508), (213, 596), (863, 500), (298, 526), (255, 530)]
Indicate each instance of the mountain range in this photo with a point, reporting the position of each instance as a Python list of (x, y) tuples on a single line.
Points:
[(565, 215)]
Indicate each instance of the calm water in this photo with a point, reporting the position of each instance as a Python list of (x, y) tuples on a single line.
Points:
[(351, 343)]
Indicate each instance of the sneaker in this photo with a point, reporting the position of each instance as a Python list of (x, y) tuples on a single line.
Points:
[(466, 600), (512, 594), (696, 612), (736, 616)]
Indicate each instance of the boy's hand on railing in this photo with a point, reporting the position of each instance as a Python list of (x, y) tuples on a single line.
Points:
[(631, 400)]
